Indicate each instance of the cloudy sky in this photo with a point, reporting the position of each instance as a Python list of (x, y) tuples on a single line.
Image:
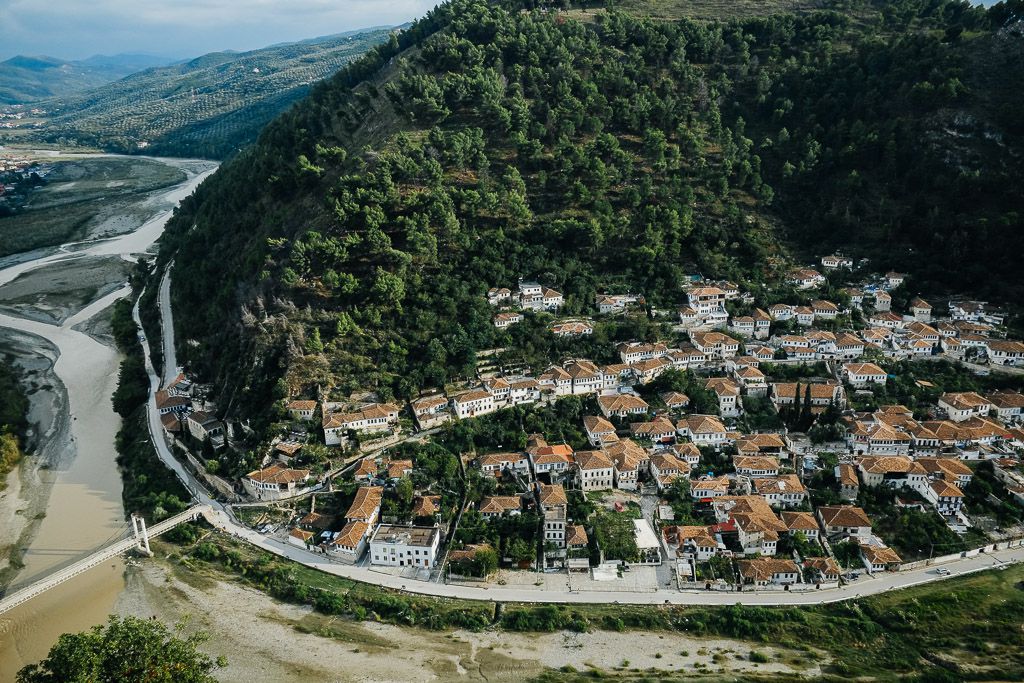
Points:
[(74, 29)]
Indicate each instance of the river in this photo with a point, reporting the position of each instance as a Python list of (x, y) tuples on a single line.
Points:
[(83, 509)]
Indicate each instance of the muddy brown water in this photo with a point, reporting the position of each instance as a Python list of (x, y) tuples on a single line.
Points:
[(84, 509)]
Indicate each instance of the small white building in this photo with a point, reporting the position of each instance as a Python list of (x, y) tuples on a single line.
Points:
[(473, 403), (864, 374), (275, 482), (404, 546)]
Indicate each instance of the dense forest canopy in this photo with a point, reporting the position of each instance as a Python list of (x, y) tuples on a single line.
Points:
[(594, 151)]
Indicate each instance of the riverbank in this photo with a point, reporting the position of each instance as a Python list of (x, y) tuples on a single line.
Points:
[(23, 502), (91, 197), (57, 323), (889, 635), (267, 640)]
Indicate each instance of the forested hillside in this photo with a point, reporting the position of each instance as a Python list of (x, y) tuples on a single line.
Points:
[(207, 107), (29, 79), (594, 150)]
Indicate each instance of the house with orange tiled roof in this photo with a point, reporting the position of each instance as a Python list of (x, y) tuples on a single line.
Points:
[(629, 459), (878, 558), (587, 378), (1008, 406), (615, 303), (373, 417), (431, 411), (963, 405), (761, 444), (299, 410), (396, 469), (547, 459), (688, 452), (728, 393), (703, 430), (594, 470), (473, 403), (823, 394), (805, 278), (577, 551), (952, 470), (714, 345), (892, 470), (659, 430), (710, 487), (834, 262), (554, 505), (757, 526), (622, 405), (675, 400), (572, 328), (864, 374), (633, 352), (366, 469), (426, 506), (493, 464), (599, 430), (350, 542), (300, 537), (945, 496), (752, 380), (825, 310), (649, 370), (849, 484), (801, 522), (497, 506), (822, 569), (785, 490), (844, 521), (1005, 352), (666, 468), (756, 466), (699, 543), (365, 506), (764, 571), (276, 482), (763, 354), (873, 437), (506, 318)]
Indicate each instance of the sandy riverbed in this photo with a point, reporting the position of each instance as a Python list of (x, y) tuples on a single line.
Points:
[(23, 502), (55, 292), (267, 640)]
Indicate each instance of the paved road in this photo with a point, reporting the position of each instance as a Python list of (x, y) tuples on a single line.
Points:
[(167, 324), (156, 433), (880, 584)]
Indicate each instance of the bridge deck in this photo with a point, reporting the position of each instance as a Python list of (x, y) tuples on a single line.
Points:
[(85, 564)]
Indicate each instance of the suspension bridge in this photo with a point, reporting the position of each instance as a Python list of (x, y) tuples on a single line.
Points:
[(139, 541)]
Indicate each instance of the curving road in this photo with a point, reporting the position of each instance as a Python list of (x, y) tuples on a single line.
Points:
[(86, 484), (167, 324)]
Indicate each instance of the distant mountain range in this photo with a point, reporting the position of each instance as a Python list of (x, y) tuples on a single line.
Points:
[(25, 80), (208, 107)]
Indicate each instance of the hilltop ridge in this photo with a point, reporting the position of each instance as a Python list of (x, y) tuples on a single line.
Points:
[(489, 143)]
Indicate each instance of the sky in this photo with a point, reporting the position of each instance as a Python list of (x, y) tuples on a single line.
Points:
[(75, 29)]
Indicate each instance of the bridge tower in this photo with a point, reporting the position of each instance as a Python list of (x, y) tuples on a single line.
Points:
[(141, 536)]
